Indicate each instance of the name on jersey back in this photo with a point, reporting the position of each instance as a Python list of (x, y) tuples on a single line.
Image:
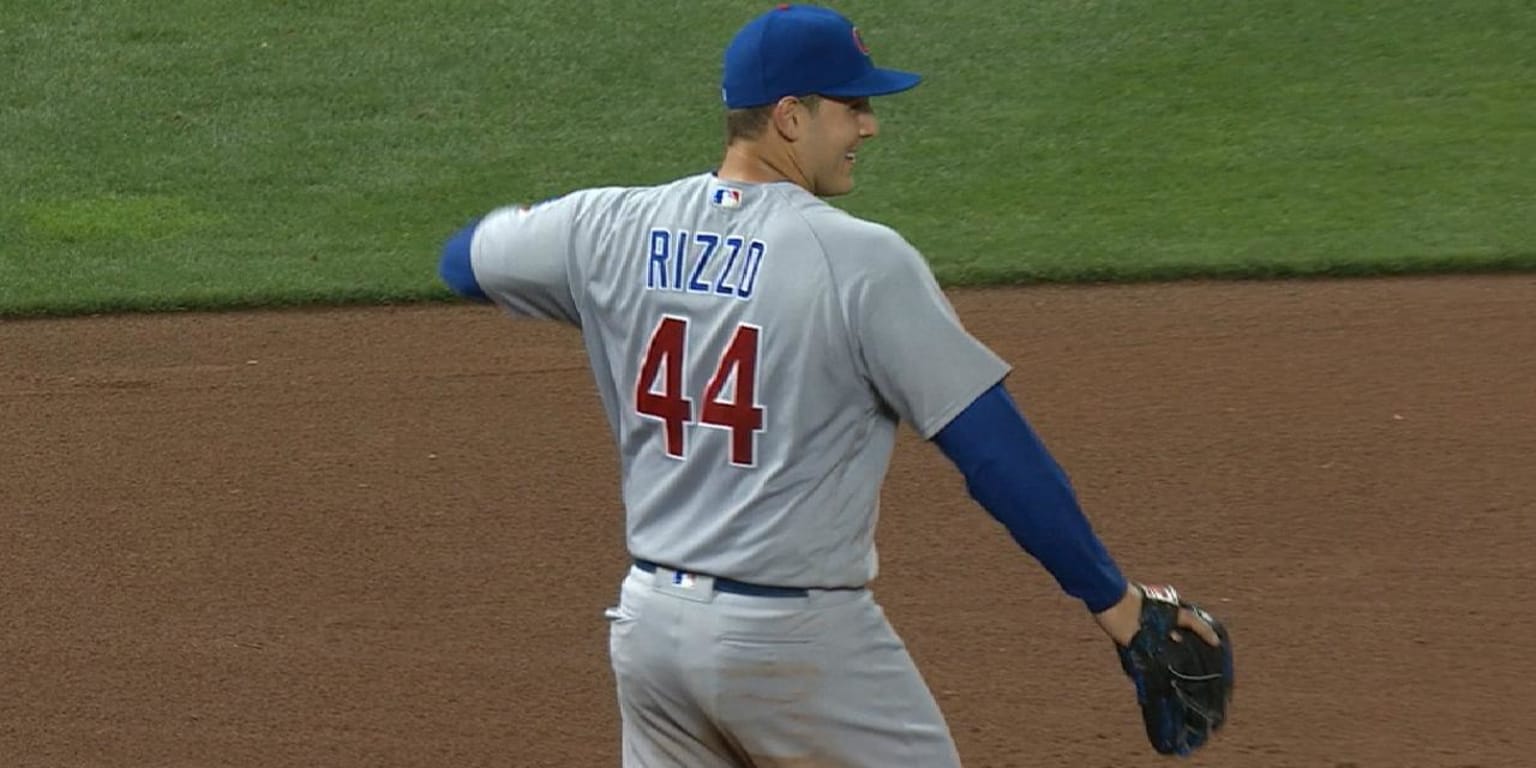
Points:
[(703, 263)]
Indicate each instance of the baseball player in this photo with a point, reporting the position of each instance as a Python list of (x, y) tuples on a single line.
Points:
[(755, 350)]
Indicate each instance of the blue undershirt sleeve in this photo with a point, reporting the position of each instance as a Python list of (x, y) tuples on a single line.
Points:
[(1010, 473), (454, 267)]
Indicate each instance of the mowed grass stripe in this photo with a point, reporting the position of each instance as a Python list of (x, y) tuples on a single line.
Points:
[(203, 154)]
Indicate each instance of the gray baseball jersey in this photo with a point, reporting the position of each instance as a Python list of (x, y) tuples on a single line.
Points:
[(755, 349)]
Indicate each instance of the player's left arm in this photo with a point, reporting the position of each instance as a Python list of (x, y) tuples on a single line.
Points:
[(517, 257), (454, 265)]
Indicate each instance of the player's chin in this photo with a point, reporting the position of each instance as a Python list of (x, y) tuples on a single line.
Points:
[(840, 185)]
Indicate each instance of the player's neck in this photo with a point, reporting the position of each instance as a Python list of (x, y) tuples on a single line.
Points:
[(749, 162)]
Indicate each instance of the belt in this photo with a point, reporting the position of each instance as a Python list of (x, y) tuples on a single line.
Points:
[(739, 587)]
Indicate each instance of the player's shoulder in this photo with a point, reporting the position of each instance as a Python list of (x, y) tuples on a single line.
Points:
[(624, 200), (593, 198), (857, 244)]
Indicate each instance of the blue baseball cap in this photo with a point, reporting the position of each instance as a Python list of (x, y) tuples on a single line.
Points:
[(798, 50)]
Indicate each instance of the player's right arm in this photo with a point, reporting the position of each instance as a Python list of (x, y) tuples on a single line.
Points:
[(517, 257), (1010, 472), (948, 386)]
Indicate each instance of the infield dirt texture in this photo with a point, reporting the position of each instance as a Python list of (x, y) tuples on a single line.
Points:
[(385, 537)]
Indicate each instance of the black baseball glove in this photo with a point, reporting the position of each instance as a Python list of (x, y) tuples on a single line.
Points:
[(1183, 686)]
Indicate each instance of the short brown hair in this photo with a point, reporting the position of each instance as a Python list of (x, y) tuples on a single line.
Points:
[(749, 123)]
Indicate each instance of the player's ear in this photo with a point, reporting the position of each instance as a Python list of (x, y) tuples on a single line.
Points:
[(789, 118)]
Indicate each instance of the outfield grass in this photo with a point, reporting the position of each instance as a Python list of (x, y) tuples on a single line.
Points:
[(213, 153)]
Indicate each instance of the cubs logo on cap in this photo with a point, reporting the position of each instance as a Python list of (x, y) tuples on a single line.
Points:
[(803, 50), (858, 40)]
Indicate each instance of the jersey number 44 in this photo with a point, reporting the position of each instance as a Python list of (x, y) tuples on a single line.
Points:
[(661, 391)]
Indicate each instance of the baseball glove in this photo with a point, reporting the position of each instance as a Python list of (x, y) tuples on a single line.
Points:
[(1183, 686)]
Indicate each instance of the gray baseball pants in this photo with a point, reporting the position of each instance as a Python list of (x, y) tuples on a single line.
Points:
[(713, 679)]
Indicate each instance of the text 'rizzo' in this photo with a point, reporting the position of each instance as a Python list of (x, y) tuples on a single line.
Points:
[(703, 262)]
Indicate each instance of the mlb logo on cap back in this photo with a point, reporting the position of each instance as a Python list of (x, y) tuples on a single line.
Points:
[(800, 50)]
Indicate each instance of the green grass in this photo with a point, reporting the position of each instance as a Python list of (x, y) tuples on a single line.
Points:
[(220, 153)]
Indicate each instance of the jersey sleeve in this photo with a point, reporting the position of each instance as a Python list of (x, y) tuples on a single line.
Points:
[(521, 258), (911, 344)]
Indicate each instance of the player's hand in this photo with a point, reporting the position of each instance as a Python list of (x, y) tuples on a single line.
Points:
[(1123, 620), (1182, 686)]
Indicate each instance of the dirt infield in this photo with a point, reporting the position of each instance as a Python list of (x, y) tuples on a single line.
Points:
[(375, 538)]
